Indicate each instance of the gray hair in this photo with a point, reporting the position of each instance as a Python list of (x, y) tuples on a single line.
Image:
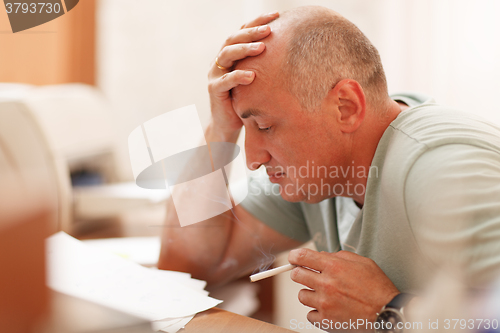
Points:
[(325, 49)]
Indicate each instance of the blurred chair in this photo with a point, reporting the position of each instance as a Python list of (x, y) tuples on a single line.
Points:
[(76, 134), (26, 164)]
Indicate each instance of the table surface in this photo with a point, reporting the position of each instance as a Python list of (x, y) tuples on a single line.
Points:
[(74, 315), (220, 321)]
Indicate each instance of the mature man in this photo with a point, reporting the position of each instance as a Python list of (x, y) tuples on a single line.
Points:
[(312, 96)]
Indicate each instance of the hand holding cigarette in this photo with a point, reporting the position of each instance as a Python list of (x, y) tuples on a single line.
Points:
[(271, 272)]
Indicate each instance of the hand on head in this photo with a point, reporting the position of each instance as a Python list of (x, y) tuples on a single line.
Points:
[(244, 43)]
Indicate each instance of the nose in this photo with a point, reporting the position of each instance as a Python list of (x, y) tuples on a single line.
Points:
[(256, 151)]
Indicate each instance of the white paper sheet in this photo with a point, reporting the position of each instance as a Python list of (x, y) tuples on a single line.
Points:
[(158, 325), (177, 326), (141, 250), (170, 325), (98, 276), (198, 285)]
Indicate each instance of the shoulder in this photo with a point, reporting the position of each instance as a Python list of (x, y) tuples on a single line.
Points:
[(454, 165), (452, 175), (451, 197)]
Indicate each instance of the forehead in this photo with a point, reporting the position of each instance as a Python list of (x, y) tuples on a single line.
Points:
[(263, 86), (265, 94), (272, 56), (267, 69)]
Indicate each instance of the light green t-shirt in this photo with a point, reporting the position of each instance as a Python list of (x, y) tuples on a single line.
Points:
[(432, 199)]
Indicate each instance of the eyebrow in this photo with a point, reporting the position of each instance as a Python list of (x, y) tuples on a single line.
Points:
[(251, 113)]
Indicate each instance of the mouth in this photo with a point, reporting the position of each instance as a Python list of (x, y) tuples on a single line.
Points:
[(276, 177)]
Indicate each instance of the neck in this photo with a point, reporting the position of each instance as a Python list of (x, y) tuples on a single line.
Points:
[(365, 145)]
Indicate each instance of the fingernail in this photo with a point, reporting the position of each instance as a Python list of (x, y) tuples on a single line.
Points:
[(272, 13), (255, 46), (249, 74), (262, 28)]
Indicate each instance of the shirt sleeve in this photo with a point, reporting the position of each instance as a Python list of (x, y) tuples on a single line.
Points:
[(266, 204), (452, 196)]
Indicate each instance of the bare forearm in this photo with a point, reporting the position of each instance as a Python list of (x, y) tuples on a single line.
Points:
[(198, 248), (219, 249)]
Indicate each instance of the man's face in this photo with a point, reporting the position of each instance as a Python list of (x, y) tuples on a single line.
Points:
[(292, 144)]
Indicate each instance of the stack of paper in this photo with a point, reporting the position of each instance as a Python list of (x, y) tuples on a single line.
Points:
[(168, 299)]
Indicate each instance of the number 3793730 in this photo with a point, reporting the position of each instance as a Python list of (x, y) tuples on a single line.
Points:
[(470, 324), (32, 8)]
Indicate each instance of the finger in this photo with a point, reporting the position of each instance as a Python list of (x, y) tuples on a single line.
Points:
[(308, 298), (314, 316), (228, 81), (305, 277), (309, 258), (262, 19), (248, 35), (232, 53)]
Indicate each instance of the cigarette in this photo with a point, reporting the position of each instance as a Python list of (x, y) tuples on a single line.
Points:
[(271, 272)]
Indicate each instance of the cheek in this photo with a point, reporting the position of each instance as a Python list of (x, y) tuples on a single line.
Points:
[(296, 149), (291, 149)]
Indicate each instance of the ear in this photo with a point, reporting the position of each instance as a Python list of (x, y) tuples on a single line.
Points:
[(350, 104)]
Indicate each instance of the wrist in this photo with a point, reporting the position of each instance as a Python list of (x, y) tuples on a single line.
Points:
[(215, 133), (392, 317)]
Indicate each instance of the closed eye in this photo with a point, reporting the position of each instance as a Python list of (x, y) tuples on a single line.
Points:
[(265, 129)]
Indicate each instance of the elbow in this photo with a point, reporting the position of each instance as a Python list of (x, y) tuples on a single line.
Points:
[(214, 275), (172, 259)]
